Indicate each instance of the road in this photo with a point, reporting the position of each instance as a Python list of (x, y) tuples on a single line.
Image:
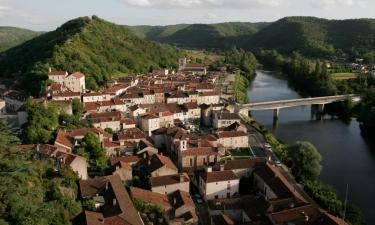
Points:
[(257, 143)]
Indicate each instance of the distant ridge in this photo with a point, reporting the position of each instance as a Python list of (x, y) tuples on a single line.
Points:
[(13, 36), (93, 46)]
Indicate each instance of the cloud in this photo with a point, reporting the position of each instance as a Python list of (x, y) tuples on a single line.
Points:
[(196, 4), (327, 4), (211, 16)]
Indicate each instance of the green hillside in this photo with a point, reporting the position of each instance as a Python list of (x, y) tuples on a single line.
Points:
[(221, 35), (12, 36), (316, 37), (96, 47)]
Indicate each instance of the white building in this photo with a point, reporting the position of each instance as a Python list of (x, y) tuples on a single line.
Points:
[(218, 184), (74, 82)]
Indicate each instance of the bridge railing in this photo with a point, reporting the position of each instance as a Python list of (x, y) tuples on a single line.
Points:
[(335, 97)]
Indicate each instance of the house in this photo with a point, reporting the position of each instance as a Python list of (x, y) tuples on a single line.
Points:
[(95, 97), (233, 139), (77, 163), (106, 120), (224, 119), (178, 97), (133, 135), (183, 207), (153, 198), (208, 98), (170, 183), (44, 151), (124, 170), (192, 110), (240, 210), (273, 184), (184, 66), (113, 203), (131, 160), (218, 184), (67, 96), (305, 215), (149, 123), (74, 82), (158, 165), (145, 147), (127, 123), (105, 106), (196, 158), (68, 139), (178, 207)]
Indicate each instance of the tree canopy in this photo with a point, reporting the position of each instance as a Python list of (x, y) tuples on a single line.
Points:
[(31, 191), (305, 160)]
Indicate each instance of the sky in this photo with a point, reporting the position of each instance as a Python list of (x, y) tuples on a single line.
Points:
[(46, 15)]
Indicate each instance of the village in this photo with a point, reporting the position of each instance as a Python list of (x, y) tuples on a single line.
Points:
[(172, 141)]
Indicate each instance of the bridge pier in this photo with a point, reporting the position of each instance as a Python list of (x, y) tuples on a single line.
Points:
[(320, 108), (276, 113)]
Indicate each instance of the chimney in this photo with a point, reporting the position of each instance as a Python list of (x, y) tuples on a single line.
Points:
[(106, 186), (221, 167), (182, 178), (37, 147), (114, 201), (50, 70), (208, 169)]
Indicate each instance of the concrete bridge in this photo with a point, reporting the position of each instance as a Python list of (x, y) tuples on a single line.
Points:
[(277, 105)]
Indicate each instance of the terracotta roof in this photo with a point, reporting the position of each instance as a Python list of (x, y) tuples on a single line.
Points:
[(111, 187), (78, 75), (228, 116), (127, 159), (209, 93), (277, 182), (151, 197), (182, 198), (217, 176), (56, 87), (67, 158), (295, 215), (229, 134), (127, 121), (131, 133), (57, 73), (199, 151), (168, 179), (149, 116)]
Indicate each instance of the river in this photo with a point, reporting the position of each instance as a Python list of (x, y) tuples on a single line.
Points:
[(347, 158)]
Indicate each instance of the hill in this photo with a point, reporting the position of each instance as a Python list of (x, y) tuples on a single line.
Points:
[(220, 35), (13, 36), (316, 37), (93, 46)]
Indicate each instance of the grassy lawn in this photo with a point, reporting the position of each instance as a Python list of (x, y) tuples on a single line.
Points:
[(240, 152), (206, 57), (344, 76)]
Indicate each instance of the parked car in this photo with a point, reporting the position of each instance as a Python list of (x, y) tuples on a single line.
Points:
[(278, 163)]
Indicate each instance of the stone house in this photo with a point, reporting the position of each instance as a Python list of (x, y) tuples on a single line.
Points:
[(218, 184), (170, 183)]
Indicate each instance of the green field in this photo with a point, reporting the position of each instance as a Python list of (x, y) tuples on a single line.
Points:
[(344, 76)]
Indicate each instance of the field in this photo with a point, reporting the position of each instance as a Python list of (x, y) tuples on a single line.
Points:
[(205, 57), (343, 76)]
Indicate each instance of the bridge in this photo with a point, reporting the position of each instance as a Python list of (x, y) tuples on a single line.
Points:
[(277, 105)]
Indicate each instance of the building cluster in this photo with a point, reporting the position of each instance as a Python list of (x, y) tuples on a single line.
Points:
[(169, 138)]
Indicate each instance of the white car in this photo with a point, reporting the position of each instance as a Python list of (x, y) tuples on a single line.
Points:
[(278, 163)]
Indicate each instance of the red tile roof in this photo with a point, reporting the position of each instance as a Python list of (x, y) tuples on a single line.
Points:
[(77, 75), (151, 197), (217, 176), (199, 151), (57, 73), (168, 179)]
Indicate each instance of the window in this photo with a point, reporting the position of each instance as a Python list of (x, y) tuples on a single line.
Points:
[(216, 196), (191, 162), (228, 194), (228, 187)]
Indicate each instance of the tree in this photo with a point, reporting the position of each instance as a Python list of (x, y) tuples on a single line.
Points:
[(42, 122), (31, 189), (92, 149), (77, 108), (305, 160)]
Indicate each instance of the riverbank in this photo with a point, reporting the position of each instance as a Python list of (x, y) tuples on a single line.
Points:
[(341, 144)]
